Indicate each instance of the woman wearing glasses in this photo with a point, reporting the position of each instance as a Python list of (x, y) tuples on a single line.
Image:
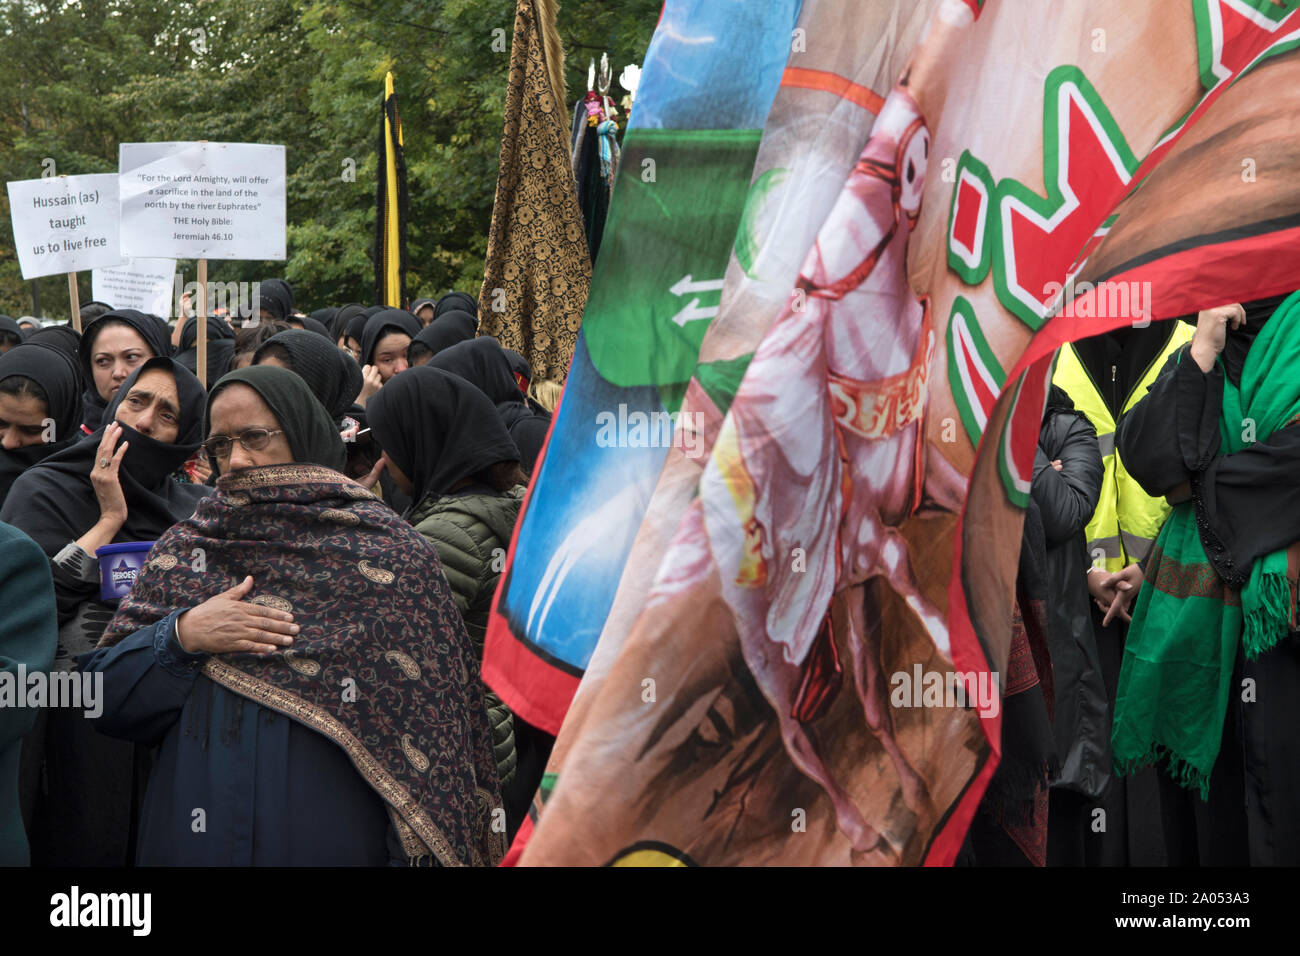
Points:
[(114, 486), (294, 651)]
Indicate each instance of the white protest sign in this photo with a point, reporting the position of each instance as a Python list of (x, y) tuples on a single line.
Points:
[(202, 200), (65, 223), (141, 284)]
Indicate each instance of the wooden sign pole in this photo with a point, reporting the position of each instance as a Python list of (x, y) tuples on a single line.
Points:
[(201, 317), (75, 296)]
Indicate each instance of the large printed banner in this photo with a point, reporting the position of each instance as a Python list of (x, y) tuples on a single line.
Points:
[(853, 452)]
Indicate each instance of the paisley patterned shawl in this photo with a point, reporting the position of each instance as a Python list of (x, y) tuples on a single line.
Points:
[(382, 664)]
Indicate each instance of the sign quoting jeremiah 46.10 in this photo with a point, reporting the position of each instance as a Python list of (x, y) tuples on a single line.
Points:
[(65, 223), (203, 200), (143, 284)]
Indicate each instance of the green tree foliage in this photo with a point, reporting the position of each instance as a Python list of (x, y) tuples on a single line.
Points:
[(83, 76)]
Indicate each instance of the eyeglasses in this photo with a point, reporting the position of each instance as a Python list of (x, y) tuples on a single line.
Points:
[(252, 439)]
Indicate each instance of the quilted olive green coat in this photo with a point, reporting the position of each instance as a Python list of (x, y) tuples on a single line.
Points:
[(472, 533)]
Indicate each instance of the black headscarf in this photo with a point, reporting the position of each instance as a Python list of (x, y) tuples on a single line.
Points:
[(316, 327), (456, 300), (56, 372), (313, 437), (484, 364), (344, 316), (276, 297), (10, 325), (519, 365), (332, 374), (221, 347), (156, 335), (419, 304), (528, 425), (351, 322), (55, 503), (374, 310), (324, 316), (62, 337), (398, 320), (1240, 340), (452, 329), (437, 429)]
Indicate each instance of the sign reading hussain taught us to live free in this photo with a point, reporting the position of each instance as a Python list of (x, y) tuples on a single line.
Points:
[(65, 223)]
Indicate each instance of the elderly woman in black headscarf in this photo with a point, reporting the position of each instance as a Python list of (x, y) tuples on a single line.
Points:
[(445, 446), (111, 348), (110, 488), (40, 407), (221, 347), (311, 686), (335, 379), (451, 329), (483, 363)]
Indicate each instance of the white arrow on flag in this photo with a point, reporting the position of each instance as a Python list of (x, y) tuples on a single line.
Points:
[(692, 311)]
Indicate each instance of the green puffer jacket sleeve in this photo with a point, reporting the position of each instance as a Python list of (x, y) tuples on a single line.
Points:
[(471, 533)]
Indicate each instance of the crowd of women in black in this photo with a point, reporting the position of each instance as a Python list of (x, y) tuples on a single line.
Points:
[(293, 678)]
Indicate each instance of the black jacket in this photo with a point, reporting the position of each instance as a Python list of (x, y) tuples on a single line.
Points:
[(1067, 500), (1248, 503)]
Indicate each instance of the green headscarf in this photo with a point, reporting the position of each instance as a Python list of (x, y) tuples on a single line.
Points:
[(1188, 625), (313, 438)]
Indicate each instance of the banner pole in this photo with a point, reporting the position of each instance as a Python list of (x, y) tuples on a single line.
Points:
[(201, 317), (74, 295)]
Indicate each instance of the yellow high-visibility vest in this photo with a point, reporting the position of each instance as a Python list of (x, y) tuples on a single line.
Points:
[(1127, 519)]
